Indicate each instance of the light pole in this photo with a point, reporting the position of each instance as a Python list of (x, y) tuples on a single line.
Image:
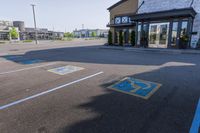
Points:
[(191, 3), (36, 34)]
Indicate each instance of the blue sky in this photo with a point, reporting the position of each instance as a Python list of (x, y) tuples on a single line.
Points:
[(60, 14)]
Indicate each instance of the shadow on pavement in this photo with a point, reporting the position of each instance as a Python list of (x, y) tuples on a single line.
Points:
[(170, 110), (93, 54)]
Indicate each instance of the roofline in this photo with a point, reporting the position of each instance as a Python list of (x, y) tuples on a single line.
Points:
[(116, 4), (174, 12)]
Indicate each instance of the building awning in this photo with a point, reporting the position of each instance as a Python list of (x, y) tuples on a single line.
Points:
[(175, 13), (121, 25)]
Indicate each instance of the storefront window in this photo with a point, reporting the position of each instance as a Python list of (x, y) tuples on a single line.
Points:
[(174, 33), (153, 34), (158, 35), (126, 35), (139, 34), (145, 30), (184, 28)]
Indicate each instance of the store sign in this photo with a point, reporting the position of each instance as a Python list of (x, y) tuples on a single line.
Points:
[(195, 39), (118, 20), (123, 20)]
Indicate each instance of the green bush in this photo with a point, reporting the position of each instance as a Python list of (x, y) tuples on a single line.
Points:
[(184, 40), (68, 34), (67, 39), (27, 41), (144, 40), (116, 38), (198, 43), (120, 38), (94, 34), (133, 38), (13, 33), (110, 38), (2, 42)]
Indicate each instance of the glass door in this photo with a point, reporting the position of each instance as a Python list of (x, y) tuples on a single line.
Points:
[(153, 35), (174, 34), (163, 35), (158, 35)]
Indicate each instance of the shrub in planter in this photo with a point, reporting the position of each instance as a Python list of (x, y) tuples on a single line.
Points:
[(144, 40), (110, 38), (133, 38), (116, 38), (120, 38), (183, 44), (198, 44)]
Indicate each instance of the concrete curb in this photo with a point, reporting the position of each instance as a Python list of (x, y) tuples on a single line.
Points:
[(153, 50)]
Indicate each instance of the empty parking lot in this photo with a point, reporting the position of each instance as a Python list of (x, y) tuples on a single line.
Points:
[(69, 88)]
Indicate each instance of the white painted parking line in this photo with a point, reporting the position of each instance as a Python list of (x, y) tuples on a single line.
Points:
[(25, 69), (46, 92), (196, 121)]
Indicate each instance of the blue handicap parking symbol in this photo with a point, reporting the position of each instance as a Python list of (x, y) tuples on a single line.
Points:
[(22, 60), (14, 58), (136, 87), (61, 69), (65, 70)]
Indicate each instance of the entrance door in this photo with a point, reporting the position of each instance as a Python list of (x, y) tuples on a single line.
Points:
[(158, 35), (126, 35)]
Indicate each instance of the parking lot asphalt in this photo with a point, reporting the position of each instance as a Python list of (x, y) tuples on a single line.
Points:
[(35, 100)]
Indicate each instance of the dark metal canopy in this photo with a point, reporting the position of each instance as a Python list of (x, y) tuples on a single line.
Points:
[(175, 13), (121, 25)]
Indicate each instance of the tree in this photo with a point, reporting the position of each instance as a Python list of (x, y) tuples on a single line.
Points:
[(116, 38), (94, 34), (183, 42), (13, 33), (110, 38), (68, 35), (133, 38), (144, 39), (120, 38)]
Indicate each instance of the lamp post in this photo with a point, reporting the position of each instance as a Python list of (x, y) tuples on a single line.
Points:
[(36, 34), (191, 3)]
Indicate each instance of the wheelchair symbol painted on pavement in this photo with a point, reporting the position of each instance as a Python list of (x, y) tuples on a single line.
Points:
[(65, 70), (136, 87)]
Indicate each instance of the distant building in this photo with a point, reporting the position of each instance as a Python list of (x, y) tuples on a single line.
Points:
[(26, 33), (43, 34), (85, 33), (5, 27)]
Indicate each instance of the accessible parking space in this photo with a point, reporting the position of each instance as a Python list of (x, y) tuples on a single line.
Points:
[(136, 87), (37, 79), (65, 70), (11, 63)]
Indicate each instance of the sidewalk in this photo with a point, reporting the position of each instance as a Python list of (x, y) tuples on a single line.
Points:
[(153, 50)]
